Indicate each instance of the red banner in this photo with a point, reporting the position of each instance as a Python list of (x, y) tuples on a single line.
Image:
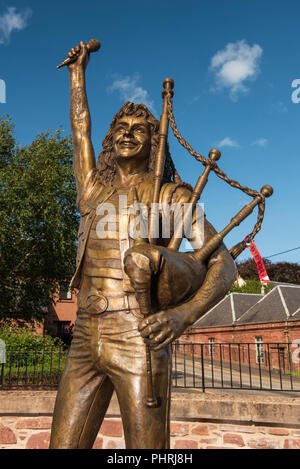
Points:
[(263, 276)]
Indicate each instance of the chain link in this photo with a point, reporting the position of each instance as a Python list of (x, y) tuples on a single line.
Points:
[(217, 170)]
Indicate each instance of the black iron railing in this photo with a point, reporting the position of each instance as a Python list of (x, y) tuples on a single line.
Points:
[(249, 366), (32, 368)]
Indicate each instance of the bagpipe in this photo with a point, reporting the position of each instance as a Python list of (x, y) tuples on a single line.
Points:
[(141, 277)]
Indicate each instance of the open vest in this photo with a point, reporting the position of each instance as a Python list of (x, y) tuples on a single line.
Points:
[(92, 196)]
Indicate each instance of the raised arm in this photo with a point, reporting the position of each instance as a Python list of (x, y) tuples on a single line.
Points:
[(84, 156)]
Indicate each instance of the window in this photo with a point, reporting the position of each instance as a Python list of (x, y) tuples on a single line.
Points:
[(211, 346), (65, 292), (259, 350), (61, 328)]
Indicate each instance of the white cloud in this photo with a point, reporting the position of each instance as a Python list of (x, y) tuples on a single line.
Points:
[(227, 142), (262, 142), (130, 90), (12, 21), (235, 64)]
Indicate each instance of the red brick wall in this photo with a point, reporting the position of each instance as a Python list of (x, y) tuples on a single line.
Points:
[(61, 310), (275, 333), (272, 332), (65, 310), (198, 420), (34, 433)]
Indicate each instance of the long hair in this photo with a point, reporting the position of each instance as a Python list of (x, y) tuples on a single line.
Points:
[(106, 159)]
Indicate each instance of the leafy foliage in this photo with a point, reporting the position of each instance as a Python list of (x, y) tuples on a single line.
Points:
[(288, 272), (38, 222), (252, 285), (31, 359), (27, 339)]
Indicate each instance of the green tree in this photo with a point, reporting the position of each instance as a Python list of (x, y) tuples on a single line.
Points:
[(288, 272), (39, 222)]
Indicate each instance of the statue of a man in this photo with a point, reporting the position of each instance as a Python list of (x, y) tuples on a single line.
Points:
[(108, 348)]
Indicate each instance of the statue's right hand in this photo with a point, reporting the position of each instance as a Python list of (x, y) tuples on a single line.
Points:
[(79, 56)]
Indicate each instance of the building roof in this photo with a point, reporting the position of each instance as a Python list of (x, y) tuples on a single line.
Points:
[(228, 310), (280, 304)]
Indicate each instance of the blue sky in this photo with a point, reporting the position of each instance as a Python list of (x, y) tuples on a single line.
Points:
[(233, 62)]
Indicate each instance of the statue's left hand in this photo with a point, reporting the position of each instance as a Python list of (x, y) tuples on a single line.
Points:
[(160, 329)]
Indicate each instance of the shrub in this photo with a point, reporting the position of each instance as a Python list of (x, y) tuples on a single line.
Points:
[(252, 285), (27, 339)]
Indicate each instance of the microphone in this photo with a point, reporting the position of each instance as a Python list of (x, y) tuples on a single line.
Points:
[(92, 46)]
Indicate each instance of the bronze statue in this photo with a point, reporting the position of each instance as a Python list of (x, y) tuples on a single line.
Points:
[(136, 295)]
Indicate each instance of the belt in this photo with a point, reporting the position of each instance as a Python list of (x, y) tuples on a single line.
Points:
[(97, 304)]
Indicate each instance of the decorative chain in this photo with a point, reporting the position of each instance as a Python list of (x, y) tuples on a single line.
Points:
[(217, 170)]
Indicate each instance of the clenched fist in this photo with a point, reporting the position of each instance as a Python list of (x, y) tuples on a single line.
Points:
[(79, 56)]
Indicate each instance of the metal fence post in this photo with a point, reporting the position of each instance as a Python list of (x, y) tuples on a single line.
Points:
[(202, 369)]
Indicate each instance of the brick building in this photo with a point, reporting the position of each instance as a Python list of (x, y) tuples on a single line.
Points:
[(62, 314), (255, 329)]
